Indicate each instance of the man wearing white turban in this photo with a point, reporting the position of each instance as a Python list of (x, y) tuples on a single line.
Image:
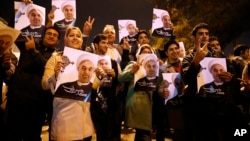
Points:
[(35, 15), (68, 10), (165, 31)]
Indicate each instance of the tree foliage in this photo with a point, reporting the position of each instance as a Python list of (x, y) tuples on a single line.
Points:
[(227, 19)]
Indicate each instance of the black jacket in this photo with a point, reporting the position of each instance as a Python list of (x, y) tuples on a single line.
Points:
[(25, 86)]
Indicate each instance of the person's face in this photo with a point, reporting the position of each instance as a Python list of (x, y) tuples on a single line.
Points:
[(151, 68), (246, 55), (51, 38), (85, 71), (110, 35), (74, 39), (146, 50), (166, 21), (102, 47), (68, 12), (143, 39), (35, 18), (103, 63), (215, 45), (202, 34), (215, 71), (173, 52), (131, 29), (5, 43)]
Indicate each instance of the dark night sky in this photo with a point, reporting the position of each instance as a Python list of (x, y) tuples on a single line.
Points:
[(104, 11)]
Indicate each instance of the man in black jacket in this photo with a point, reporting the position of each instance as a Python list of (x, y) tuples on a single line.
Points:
[(227, 118), (27, 100), (106, 104)]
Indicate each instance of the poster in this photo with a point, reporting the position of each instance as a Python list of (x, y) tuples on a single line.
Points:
[(149, 67), (79, 66), (161, 24), (127, 28), (209, 69), (173, 83), (30, 19), (64, 13)]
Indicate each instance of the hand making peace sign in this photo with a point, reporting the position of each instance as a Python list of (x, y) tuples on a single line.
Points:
[(87, 26), (30, 43), (200, 53)]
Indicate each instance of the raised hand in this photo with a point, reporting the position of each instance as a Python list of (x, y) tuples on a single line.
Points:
[(30, 43), (225, 76), (100, 73), (51, 17), (135, 68), (110, 72), (59, 65), (6, 59), (200, 53), (125, 44), (87, 26), (11, 70), (161, 62)]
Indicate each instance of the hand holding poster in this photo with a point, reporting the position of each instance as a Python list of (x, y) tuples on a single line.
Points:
[(72, 96), (146, 77), (172, 84), (162, 24), (76, 77), (127, 28), (30, 19), (104, 66), (64, 12)]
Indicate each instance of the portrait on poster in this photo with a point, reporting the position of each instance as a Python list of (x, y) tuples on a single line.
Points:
[(30, 19), (64, 13), (22, 14), (146, 77), (210, 67), (77, 75), (127, 28), (172, 82), (104, 63), (161, 24)]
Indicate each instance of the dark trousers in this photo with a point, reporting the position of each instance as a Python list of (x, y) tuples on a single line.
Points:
[(160, 118), (107, 129), (3, 128), (25, 121), (142, 135)]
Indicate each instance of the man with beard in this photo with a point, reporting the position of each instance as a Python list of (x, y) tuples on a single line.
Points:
[(36, 29)]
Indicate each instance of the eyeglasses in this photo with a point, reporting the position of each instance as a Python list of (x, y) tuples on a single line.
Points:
[(51, 34)]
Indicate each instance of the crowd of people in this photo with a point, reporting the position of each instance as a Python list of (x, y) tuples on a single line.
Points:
[(212, 113)]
